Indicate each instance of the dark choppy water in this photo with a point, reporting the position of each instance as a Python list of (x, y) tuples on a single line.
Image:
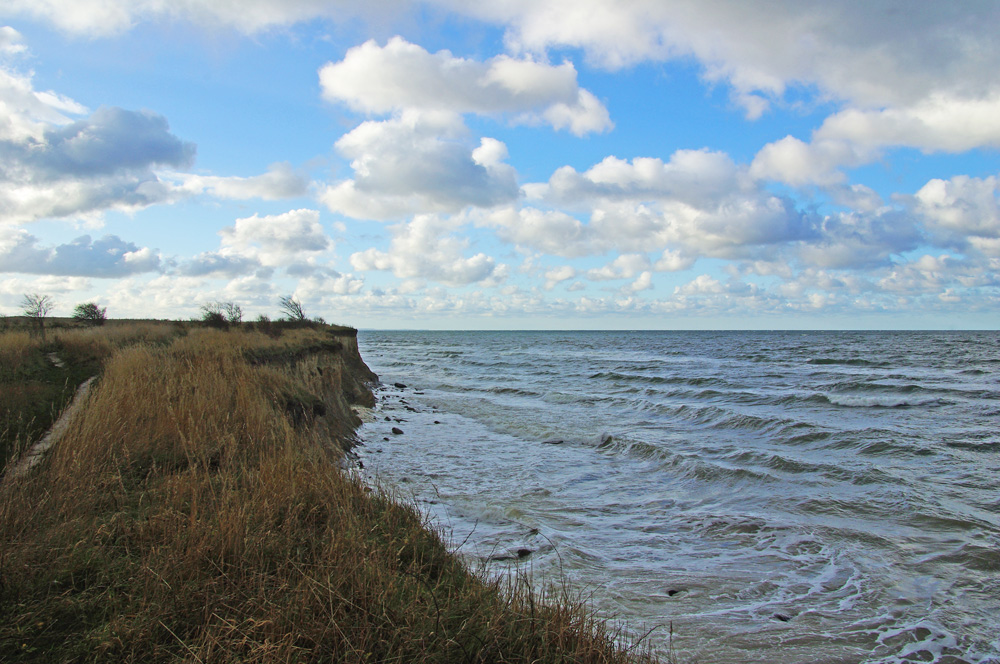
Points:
[(776, 496)]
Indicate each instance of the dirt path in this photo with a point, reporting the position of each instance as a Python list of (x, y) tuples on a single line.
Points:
[(34, 455)]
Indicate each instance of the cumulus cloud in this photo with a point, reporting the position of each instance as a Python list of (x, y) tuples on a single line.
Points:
[(696, 203), (963, 211), (854, 137), (625, 266), (695, 177), (292, 240), (795, 162), (216, 264), (110, 141), (550, 231), (419, 162), (558, 275), (26, 113), (108, 257), (11, 41), (859, 240), (401, 76), (427, 248), (280, 181), (941, 275), (54, 166), (642, 283), (938, 123)]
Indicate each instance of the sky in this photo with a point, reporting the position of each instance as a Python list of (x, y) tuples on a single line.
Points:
[(518, 164)]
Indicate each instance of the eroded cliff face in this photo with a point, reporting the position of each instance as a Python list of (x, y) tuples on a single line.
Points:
[(335, 380)]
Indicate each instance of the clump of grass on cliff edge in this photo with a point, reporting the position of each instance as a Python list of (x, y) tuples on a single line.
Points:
[(187, 516)]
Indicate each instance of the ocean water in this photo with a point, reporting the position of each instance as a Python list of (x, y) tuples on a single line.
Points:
[(748, 496)]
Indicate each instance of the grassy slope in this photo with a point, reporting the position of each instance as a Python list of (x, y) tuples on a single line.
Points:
[(194, 513)]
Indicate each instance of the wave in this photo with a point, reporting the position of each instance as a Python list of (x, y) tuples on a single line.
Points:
[(991, 446), (847, 361), (517, 391), (881, 401), (694, 381)]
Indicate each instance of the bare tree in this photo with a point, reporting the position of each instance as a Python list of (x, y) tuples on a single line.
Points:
[(292, 308), (38, 307), (233, 312)]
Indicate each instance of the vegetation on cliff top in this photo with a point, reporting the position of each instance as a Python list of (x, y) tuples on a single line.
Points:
[(194, 511)]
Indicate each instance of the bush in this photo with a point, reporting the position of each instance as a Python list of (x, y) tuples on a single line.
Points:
[(90, 313), (221, 314), (214, 319)]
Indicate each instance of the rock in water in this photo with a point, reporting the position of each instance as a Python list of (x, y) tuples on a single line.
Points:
[(397, 431)]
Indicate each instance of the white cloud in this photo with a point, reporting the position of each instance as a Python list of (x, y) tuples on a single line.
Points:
[(292, 240), (940, 122), (695, 177), (403, 76), (624, 266), (857, 240), (11, 41), (673, 261), (419, 162), (277, 237), (25, 113), (871, 55), (216, 264), (798, 163), (936, 275), (697, 203), (642, 283), (854, 137), (108, 257), (964, 211), (553, 232), (426, 248), (280, 181), (868, 54), (12, 290), (54, 166), (558, 275)]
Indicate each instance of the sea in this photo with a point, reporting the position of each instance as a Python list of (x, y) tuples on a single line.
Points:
[(778, 497)]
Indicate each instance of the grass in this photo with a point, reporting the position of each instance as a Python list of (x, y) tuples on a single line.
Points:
[(193, 512)]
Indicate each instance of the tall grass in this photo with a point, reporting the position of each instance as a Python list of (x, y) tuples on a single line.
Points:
[(38, 377), (192, 513)]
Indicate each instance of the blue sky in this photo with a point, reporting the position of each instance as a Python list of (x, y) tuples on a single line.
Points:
[(543, 164)]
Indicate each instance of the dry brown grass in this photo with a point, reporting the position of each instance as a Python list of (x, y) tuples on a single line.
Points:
[(191, 515)]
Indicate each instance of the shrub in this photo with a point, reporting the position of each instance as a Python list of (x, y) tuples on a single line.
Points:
[(90, 313)]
